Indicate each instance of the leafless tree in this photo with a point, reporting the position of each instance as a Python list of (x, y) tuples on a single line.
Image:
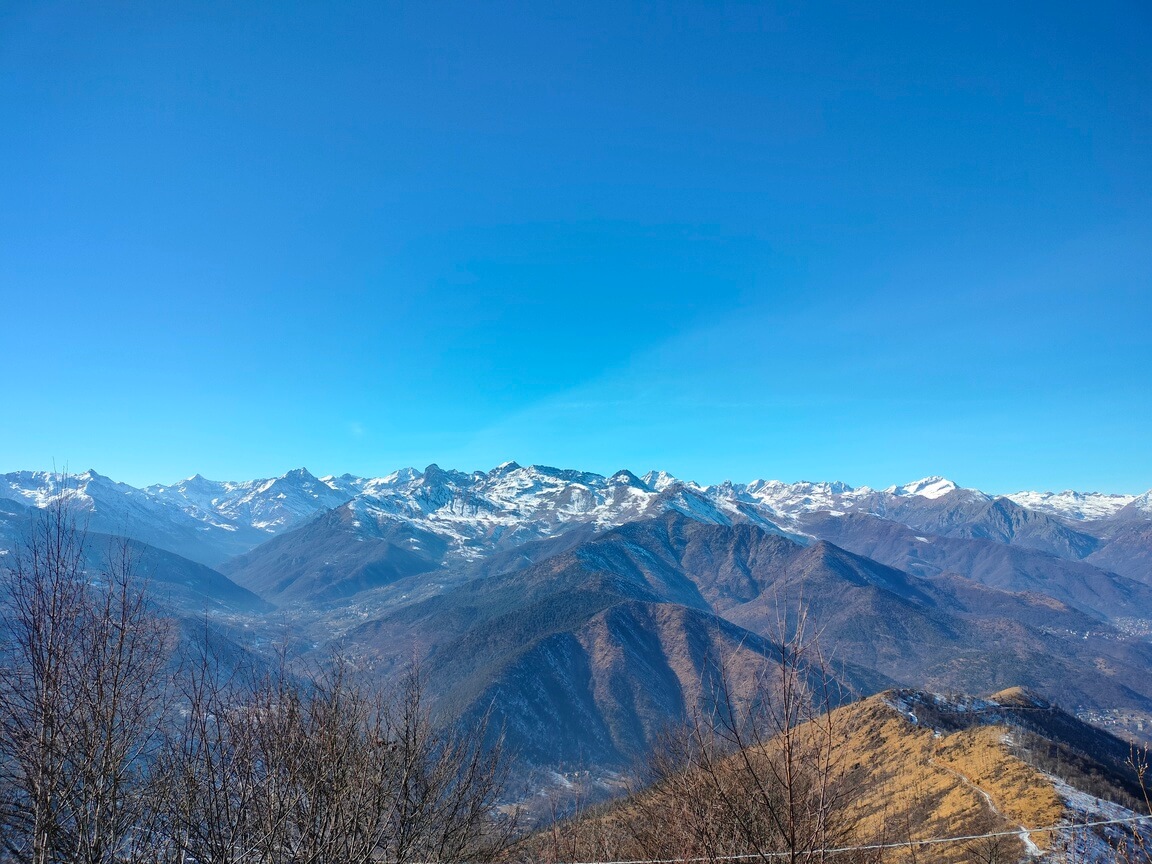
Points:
[(207, 772), (324, 768), (760, 769), (684, 812), (1135, 845), (448, 782), (108, 755), (81, 696), (992, 850), (325, 756), (773, 760)]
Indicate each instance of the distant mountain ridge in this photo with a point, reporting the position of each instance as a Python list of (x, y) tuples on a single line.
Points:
[(561, 599), (211, 521)]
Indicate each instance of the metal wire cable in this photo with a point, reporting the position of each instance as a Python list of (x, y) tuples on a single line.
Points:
[(872, 847)]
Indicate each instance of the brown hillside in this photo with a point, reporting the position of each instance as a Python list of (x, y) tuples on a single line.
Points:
[(899, 782), (915, 784)]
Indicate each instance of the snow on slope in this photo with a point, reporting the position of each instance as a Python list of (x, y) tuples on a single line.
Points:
[(1141, 505), (790, 499), (39, 488), (929, 487), (1073, 505), (479, 510), (107, 506), (92, 493), (475, 510), (269, 505), (658, 481), (1094, 845)]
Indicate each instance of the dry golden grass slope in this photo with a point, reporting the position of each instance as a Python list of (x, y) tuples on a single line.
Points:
[(912, 767), (914, 783)]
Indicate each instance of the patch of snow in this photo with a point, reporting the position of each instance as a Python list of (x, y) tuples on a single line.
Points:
[(929, 487), (1142, 503), (478, 511), (658, 481), (1073, 505), (1091, 844)]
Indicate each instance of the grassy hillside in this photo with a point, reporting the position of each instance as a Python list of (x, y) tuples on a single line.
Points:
[(901, 768)]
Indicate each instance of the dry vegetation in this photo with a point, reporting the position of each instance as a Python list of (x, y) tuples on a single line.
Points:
[(915, 785), (889, 781), (110, 754), (1017, 790)]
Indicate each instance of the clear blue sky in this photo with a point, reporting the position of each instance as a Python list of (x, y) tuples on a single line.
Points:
[(732, 240)]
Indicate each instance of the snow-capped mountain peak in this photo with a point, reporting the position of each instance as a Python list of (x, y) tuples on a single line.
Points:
[(1140, 506), (627, 478), (658, 481), (1074, 505), (789, 500), (505, 468), (269, 505), (928, 487), (38, 488), (471, 511)]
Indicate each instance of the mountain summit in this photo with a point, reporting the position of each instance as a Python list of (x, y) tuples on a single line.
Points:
[(929, 487)]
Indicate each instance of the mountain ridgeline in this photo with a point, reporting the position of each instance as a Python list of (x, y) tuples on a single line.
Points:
[(585, 613)]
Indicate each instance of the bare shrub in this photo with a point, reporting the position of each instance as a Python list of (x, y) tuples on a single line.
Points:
[(326, 768), (81, 697), (758, 770)]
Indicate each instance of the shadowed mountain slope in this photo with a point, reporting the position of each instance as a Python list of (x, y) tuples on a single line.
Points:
[(336, 554), (1098, 592), (183, 586), (611, 638), (968, 514), (1126, 548)]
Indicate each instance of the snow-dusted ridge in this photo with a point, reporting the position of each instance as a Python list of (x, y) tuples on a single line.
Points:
[(1078, 505), (269, 505), (39, 488), (533, 501), (472, 510), (790, 499), (929, 487)]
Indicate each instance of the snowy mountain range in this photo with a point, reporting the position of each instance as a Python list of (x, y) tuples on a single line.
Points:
[(210, 521), (568, 600)]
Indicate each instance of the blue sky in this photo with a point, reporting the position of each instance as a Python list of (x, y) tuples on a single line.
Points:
[(865, 242)]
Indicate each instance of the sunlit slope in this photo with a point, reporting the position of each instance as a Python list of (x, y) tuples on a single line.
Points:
[(928, 767), (916, 777)]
